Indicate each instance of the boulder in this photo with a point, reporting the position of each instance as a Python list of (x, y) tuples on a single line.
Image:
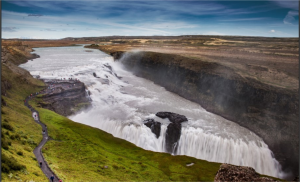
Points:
[(95, 75), (154, 126), (173, 131), (228, 172), (173, 117), (172, 136)]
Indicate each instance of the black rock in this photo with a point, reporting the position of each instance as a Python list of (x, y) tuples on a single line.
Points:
[(154, 126), (296, 178), (173, 117), (94, 74), (108, 66), (174, 129), (172, 136)]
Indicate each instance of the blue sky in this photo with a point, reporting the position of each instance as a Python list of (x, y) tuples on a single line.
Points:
[(59, 19)]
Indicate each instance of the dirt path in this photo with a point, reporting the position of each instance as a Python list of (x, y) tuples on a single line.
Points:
[(38, 150)]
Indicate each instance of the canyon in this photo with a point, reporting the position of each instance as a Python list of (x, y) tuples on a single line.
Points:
[(264, 103)]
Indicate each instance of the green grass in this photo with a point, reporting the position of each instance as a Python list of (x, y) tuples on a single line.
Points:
[(80, 152), (20, 131)]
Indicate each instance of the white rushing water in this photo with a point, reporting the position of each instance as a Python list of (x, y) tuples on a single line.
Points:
[(120, 105)]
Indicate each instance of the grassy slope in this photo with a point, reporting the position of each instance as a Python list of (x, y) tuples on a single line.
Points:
[(80, 152), (19, 117)]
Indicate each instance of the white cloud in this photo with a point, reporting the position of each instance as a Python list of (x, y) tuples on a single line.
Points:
[(272, 31), (287, 4), (9, 29), (245, 19), (212, 33), (290, 17), (168, 25), (51, 22)]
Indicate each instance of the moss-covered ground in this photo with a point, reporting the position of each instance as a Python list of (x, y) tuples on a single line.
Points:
[(20, 134), (79, 152)]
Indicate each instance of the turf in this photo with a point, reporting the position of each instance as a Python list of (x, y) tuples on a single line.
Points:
[(80, 152), (24, 134)]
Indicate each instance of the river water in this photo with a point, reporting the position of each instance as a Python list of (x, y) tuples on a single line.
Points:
[(120, 105)]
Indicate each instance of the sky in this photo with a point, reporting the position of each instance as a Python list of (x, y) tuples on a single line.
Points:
[(42, 19)]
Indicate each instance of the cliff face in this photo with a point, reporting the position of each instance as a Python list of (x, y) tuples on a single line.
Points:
[(65, 97), (16, 54), (11, 57), (270, 112)]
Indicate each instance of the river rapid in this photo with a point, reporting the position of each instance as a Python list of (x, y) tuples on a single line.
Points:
[(121, 102)]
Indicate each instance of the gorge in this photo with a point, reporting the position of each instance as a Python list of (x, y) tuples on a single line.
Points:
[(122, 101)]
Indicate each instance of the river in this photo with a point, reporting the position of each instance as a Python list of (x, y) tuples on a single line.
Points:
[(122, 101)]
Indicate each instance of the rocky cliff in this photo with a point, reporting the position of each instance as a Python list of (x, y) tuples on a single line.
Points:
[(16, 54), (12, 56), (65, 97), (271, 112)]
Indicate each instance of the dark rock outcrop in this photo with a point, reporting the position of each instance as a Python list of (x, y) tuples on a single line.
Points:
[(95, 75), (296, 178), (173, 130), (66, 98), (154, 126), (228, 172), (269, 111), (172, 137), (173, 117), (117, 55)]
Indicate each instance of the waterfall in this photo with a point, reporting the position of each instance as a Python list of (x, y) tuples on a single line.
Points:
[(194, 142), (123, 102), (87, 94)]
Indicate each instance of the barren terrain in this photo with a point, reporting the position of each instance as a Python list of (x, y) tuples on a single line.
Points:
[(273, 61)]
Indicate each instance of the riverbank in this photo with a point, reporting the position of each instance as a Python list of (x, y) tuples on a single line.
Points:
[(19, 134)]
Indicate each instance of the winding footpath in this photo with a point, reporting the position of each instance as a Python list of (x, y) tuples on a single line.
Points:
[(38, 150)]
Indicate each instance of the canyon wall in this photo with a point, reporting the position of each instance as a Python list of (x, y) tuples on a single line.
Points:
[(65, 99), (270, 112)]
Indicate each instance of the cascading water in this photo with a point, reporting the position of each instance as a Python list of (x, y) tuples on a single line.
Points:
[(87, 94), (122, 101)]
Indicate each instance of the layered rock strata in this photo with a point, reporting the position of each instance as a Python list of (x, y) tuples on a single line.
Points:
[(65, 97)]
